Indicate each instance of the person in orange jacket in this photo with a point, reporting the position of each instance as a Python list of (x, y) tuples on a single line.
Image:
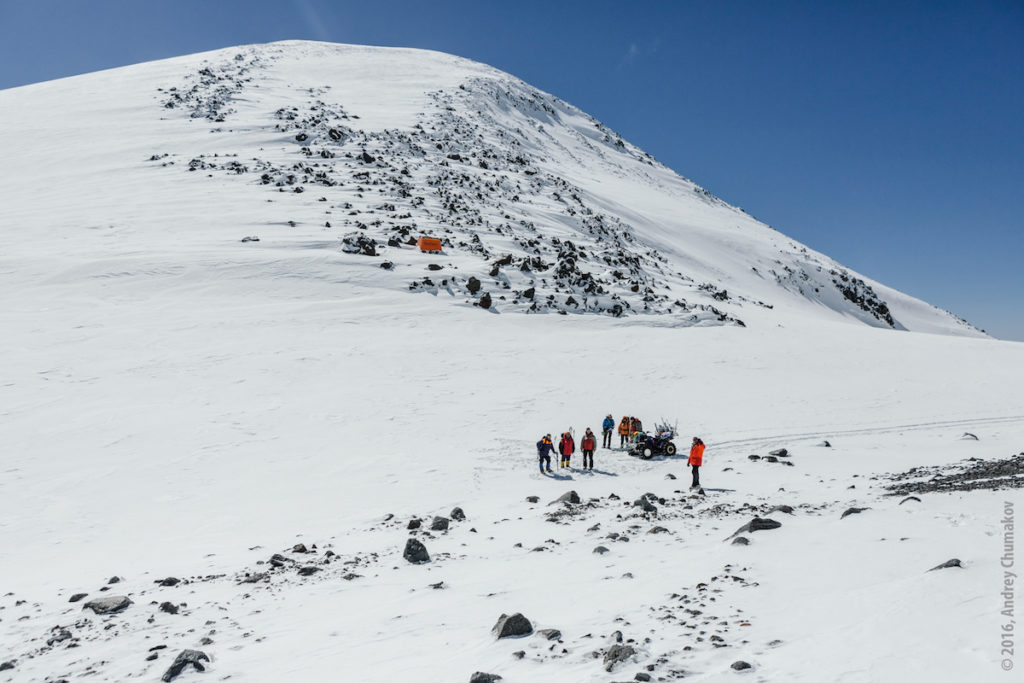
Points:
[(696, 460), (623, 432), (566, 447), (588, 444)]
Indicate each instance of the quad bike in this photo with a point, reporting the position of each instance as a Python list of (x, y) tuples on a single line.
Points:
[(646, 446)]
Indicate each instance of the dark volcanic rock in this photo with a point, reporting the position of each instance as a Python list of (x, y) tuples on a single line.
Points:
[(657, 530), (485, 301), (853, 511), (753, 458), (825, 444), (550, 633), (168, 607), (969, 437), (973, 474), (439, 524), (741, 540), (300, 548), (8, 665), (168, 582), (600, 550), (644, 504), (481, 677), (279, 560), (111, 604), (567, 497), (617, 653), (512, 626), (186, 657), (910, 498), (782, 508), (458, 515), (740, 665), (77, 596), (308, 570), (415, 552), (414, 524), (113, 580), (473, 285), (757, 524), (533, 499), (948, 564), (779, 452), (59, 636)]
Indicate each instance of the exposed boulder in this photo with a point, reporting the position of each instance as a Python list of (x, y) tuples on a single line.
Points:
[(481, 677), (512, 626), (567, 497), (740, 665), (8, 665), (358, 243), (439, 524), (779, 453), (77, 596), (757, 524), (168, 582), (533, 499), (112, 604), (473, 285), (414, 524), (308, 570), (617, 653), (550, 633), (415, 552), (600, 550), (853, 511), (645, 504), (741, 540), (186, 657), (948, 564), (458, 515), (485, 301)]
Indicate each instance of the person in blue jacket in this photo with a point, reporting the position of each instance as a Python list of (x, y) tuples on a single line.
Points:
[(544, 450), (607, 427)]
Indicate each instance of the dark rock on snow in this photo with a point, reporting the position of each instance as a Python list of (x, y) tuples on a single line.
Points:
[(753, 458), (910, 498), (617, 653), (481, 677), (600, 550), (186, 657), (512, 626), (473, 285), (550, 633), (439, 524), (533, 499), (458, 515), (779, 452), (948, 564), (758, 524), (568, 497), (415, 552), (8, 665), (853, 511), (77, 596), (109, 605), (308, 570), (113, 580), (414, 524), (485, 301), (741, 540), (740, 665), (969, 437), (168, 607), (644, 504), (168, 582), (782, 508)]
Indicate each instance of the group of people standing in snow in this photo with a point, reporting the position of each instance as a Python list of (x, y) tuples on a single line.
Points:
[(628, 427)]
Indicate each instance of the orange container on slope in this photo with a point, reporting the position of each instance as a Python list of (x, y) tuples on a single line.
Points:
[(428, 244)]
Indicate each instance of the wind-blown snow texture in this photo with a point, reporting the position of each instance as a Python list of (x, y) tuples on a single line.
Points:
[(179, 404)]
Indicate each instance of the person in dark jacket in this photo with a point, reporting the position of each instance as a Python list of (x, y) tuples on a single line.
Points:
[(544, 450), (607, 427), (566, 447), (588, 444)]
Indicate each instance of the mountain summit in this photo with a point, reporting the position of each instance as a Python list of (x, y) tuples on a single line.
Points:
[(330, 161)]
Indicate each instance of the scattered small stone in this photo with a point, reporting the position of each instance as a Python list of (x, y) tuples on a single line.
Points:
[(533, 499), (670, 476), (414, 524), (512, 626), (109, 605), (77, 596), (600, 550), (308, 570), (644, 504), (641, 676), (279, 560), (782, 508), (969, 437), (550, 633), (657, 530), (948, 564), (439, 524), (458, 515), (910, 498), (250, 238), (186, 657), (300, 548), (8, 665), (438, 586), (113, 580), (415, 552), (59, 636), (853, 511), (740, 665), (757, 524), (473, 285), (741, 540), (779, 453), (255, 577), (825, 444), (168, 582), (753, 458), (519, 654), (168, 607)]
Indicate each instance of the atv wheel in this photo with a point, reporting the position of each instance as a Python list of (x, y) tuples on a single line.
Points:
[(670, 448), (647, 453)]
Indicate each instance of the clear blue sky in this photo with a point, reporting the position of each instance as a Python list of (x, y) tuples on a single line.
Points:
[(888, 135)]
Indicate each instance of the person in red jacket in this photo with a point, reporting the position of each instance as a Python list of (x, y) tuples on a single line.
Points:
[(588, 444), (566, 447), (696, 460)]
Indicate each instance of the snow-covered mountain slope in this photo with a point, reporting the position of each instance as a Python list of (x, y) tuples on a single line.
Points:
[(319, 149), (176, 404)]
